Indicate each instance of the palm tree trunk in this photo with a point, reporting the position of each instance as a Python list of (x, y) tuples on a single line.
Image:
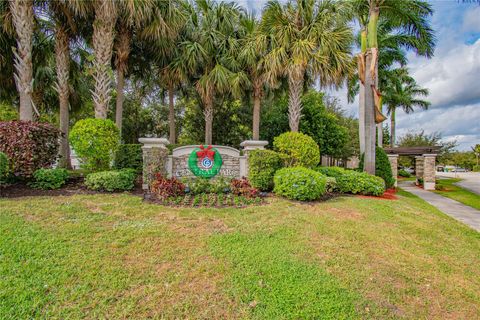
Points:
[(369, 158), (22, 17), (295, 87), (103, 36), (392, 128), (62, 57), (208, 113), (257, 98), (361, 118), (122, 53), (171, 114)]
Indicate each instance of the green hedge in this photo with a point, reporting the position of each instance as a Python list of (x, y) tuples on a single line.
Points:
[(349, 181), (3, 168), (299, 183), (129, 156), (382, 167), (115, 180), (49, 178), (262, 165), (300, 149)]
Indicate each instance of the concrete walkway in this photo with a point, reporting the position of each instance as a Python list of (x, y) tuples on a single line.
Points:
[(454, 209)]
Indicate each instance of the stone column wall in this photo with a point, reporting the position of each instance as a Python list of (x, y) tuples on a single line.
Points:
[(418, 168), (155, 156), (429, 171), (393, 158), (248, 146)]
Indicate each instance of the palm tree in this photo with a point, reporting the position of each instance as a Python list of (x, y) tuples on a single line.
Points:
[(254, 46), (401, 91), (23, 22), (209, 53), (307, 36), (410, 16)]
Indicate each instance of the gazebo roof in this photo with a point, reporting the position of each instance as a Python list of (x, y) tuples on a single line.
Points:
[(413, 151)]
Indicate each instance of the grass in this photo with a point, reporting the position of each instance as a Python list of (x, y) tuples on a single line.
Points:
[(113, 256), (447, 188)]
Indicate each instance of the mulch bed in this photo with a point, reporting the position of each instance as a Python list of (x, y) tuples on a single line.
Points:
[(388, 195), (72, 187)]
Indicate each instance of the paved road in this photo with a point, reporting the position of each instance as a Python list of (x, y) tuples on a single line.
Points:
[(470, 180), (454, 209)]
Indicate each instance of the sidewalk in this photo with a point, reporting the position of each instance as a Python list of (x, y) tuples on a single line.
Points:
[(454, 209)]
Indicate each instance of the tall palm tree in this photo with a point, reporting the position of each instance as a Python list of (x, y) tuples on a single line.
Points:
[(401, 91), (210, 51), (254, 47), (410, 16), (23, 22), (307, 36)]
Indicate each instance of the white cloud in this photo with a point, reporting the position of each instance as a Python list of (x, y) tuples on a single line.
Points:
[(471, 21)]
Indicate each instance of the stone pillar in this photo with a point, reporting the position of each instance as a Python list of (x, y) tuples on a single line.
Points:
[(429, 171), (155, 155), (393, 158), (249, 145), (418, 168)]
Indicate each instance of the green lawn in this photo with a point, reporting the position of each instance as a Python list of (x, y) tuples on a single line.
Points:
[(115, 257), (448, 189)]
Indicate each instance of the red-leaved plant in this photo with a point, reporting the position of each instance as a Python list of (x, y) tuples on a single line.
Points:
[(29, 145), (241, 187), (165, 188)]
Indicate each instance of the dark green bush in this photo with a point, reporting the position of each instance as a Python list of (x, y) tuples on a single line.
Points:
[(95, 142), (262, 165), (382, 167), (404, 173), (3, 168), (116, 180), (129, 156), (49, 178), (300, 149), (360, 182), (299, 183)]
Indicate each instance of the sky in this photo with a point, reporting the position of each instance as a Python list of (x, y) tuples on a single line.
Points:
[(452, 75)]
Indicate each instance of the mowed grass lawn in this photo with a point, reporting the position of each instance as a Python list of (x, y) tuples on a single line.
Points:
[(115, 257), (452, 191)]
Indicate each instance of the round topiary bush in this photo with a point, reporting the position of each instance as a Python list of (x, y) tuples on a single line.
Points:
[(299, 183), (300, 149), (382, 167), (262, 165), (95, 142)]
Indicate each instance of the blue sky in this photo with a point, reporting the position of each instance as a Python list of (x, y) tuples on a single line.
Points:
[(452, 75)]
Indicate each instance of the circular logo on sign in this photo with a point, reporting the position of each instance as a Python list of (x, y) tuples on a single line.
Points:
[(209, 159)]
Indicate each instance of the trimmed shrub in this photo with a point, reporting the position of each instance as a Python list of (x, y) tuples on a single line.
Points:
[(382, 167), (331, 171), (262, 165), (3, 168), (49, 178), (300, 149), (404, 173), (299, 183), (29, 146), (129, 156), (360, 182), (95, 142), (165, 188), (117, 180)]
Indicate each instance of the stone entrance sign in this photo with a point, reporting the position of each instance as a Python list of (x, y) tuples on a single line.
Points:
[(233, 164), (183, 160)]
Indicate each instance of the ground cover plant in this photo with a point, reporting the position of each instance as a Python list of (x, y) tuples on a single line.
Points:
[(115, 256), (447, 188)]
